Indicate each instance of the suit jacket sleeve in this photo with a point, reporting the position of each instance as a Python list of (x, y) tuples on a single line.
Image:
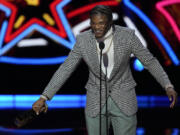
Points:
[(64, 71), (149, 62)]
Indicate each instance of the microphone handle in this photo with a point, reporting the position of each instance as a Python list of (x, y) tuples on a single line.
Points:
[(25, 118)]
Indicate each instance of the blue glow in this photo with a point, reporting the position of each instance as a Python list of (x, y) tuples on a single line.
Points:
[(143, 101), (137, 65), (26, 98), (2, 32), (69, 44), (36, 61), (53, 36), (6, 98), (65, 22), (59, 98), (140, 131), (154, 29), (66, 105), (159, 101), (175, 131), (9, 45), (153, 101), (8, 105), (34, 131), (31, 29), (32, 61), (5, 9), (72, 101), (6, 101)]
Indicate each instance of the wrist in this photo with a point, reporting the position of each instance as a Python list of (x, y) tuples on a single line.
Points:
[(43, 97), (169, 86)]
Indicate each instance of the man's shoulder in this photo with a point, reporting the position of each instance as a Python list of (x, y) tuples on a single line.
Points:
[(123, 29), (84, 34)]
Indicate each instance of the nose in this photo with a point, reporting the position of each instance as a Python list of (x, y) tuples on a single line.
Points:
[(96, 26)]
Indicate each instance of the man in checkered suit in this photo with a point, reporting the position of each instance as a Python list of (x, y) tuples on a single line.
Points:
[(120, 43)]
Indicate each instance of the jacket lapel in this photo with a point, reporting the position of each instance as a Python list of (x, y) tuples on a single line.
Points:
[(93, 55), (116, 55)]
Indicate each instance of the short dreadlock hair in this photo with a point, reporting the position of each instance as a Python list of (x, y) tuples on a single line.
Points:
[(102, 9)]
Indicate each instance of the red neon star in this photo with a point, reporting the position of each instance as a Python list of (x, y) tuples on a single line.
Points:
[(34, 20)]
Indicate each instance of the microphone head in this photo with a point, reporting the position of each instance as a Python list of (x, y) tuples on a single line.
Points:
[(101, 45)]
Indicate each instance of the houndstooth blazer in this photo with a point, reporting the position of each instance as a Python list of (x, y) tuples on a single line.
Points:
[(121, 85)]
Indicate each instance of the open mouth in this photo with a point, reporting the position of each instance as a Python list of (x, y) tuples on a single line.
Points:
[(98, 32)]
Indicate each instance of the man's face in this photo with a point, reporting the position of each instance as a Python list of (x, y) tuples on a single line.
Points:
[(99, 25)]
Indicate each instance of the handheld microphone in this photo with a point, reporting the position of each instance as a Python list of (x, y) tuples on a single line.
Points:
[(25, 118), (101, 45)]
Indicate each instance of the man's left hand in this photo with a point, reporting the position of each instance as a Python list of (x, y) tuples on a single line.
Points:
[(172, 95)]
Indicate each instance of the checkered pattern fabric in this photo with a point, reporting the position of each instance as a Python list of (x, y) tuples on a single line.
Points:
[(120, 83)]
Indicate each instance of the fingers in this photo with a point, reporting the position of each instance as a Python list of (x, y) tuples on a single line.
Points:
[(172, 104), (36, 109), (46, 108), (172, 95), (39, 107), (173, 98), (170, 98)]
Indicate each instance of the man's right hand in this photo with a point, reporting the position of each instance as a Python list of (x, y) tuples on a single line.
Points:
[(40, 106)]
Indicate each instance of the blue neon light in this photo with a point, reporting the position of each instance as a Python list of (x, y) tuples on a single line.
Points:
[(65, 22), (175, 131), (69, 44), (140, 131), (72, 101), (6, 10), (2, 32), (35, 61), (154, 29), (34, 131), (137, 65)]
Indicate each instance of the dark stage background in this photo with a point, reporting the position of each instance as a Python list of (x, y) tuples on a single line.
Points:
[(36, 35)]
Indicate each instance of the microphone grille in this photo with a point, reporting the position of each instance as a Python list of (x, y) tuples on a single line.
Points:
[(101, 45)]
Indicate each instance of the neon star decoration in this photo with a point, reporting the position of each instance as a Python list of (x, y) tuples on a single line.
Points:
[(137, 64), (11, 39), (10, 35), (43, 61), (161, 7), (59, 5)]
